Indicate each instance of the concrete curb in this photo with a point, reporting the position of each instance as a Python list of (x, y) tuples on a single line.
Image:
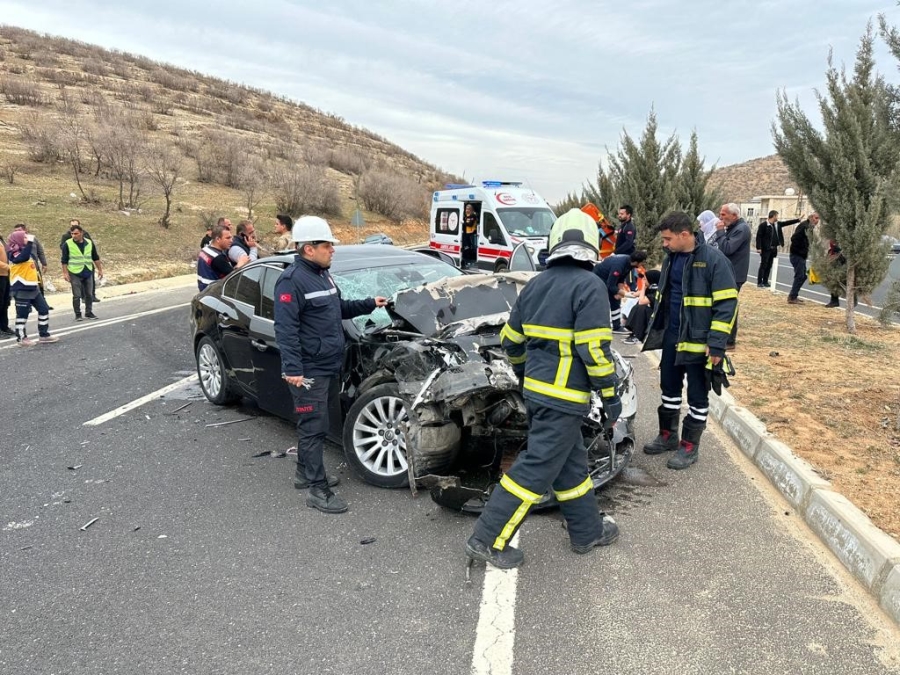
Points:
[(868, 553), (120, 290)]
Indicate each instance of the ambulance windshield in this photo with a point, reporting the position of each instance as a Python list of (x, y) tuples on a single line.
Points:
[(527, 221)]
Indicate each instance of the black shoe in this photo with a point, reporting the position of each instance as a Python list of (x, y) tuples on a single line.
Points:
[(506, 559), (6, 332), (78, 317), (609, 532), (833, 304), (95, 299), (50, 308), (666, 441), (323, 499), (301, 483), (686, 455), (91, 315)]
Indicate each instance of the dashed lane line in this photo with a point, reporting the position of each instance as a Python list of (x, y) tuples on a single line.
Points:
[(99, 323), (138, 402)]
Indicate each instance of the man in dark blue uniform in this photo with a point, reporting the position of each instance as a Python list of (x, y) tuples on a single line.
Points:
[(626, 238), (308, 314), (557, 338), (614, 271)]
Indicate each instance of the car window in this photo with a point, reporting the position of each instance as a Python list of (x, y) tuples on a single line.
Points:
[(248, 287), (492, 230), (230, 287), (386, 281), (521, 260), (267, 292), (446, 221)]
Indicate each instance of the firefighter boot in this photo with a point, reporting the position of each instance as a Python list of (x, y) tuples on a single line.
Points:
[(506, 559), (689, 447), (668, 433)]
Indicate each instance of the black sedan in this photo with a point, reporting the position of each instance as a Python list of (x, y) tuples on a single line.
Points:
[(425, 388)]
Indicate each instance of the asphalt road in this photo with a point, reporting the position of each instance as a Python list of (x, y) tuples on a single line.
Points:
[(205, 560), (818, 293)]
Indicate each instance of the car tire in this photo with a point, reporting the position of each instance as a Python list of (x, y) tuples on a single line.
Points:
[(501, 266), (212, 375), (373, 445)]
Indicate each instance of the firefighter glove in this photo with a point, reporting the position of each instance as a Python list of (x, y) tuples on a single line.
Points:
[(717, 375), (612, 408)]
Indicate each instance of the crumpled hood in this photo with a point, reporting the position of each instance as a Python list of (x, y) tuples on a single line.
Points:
[(472, 299)]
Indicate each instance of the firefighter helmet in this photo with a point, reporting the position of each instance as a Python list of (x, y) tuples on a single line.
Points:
[(574, 234)]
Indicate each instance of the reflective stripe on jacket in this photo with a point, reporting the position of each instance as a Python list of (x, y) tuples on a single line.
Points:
[(78, 259), (708, 308), (558, 336), (205, 273)]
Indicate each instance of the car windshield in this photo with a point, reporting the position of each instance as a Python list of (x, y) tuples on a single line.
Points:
[(527, 222), (386, 281)]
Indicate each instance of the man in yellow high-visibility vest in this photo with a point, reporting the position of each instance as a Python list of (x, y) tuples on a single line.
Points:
[(79, 257)]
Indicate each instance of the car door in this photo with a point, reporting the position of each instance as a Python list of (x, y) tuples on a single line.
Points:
[(521, 260), (274, 394), (241, 291)]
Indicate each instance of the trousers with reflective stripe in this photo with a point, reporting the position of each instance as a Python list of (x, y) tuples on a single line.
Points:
[(554, 458)]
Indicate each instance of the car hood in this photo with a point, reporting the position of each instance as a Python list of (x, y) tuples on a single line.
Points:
[(456, 305)]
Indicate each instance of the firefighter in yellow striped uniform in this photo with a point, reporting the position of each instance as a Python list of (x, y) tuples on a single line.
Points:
[(558, 339), (695, 311)]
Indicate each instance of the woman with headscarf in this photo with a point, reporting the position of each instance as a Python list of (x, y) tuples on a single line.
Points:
[(707, 221), (25, 289)]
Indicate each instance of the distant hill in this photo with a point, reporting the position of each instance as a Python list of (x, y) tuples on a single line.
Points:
[(762, 176), (84, 131)]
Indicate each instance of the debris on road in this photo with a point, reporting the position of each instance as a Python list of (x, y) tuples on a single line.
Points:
[(180, 408), (222, 424), (25, 548), (163, 536), (74, 467), (367, 540), (136, 528), (84, 527)]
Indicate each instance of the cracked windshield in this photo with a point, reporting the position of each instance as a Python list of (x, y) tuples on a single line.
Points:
[(527, 222), (387, 281)]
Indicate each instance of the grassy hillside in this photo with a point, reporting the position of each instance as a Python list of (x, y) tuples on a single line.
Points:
[(83, 129)]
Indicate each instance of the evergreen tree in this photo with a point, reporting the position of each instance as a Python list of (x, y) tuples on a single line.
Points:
[(692, 189), (645, 175), (849, 169)]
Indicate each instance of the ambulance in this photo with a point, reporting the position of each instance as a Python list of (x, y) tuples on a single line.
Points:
[(507, 215)]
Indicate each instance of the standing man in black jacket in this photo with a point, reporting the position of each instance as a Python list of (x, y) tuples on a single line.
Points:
[(799, 252), (733, 239), (769, 237), (627, 235), (308, 329)]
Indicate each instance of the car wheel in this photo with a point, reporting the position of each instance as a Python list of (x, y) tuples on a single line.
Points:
[(214, 380), (375, 436), (501, 266)]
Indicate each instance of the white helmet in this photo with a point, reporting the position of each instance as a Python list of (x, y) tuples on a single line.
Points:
[(312, 228)]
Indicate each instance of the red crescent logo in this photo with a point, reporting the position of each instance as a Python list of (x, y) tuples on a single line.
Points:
[(505, 198)]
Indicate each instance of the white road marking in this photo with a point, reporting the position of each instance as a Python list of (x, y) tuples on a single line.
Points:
[(121, 410), (99, 323), (495, 634)]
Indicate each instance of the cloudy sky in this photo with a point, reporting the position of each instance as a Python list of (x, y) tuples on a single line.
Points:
[(532, 91)]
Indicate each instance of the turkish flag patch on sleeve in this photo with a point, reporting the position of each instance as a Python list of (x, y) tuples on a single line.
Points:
[(284, 297)]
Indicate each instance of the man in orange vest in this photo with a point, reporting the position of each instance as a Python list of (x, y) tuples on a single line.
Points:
[(605, 229)]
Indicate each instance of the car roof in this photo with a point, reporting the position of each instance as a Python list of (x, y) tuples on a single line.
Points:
[(355, 256)]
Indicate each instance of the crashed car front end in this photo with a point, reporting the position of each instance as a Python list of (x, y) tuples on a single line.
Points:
[(465, 415)]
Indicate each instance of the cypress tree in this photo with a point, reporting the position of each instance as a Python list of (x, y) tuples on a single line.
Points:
[(645, 175), (849, 169), (692, 188)]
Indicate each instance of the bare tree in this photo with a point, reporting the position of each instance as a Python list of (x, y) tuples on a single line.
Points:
[(164, 165), (41, 138), (72, 140), (252, 179), (303, 189), (124, 145)]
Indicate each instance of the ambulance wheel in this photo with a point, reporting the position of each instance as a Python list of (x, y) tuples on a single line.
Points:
[(214, 380), (501, 266)]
